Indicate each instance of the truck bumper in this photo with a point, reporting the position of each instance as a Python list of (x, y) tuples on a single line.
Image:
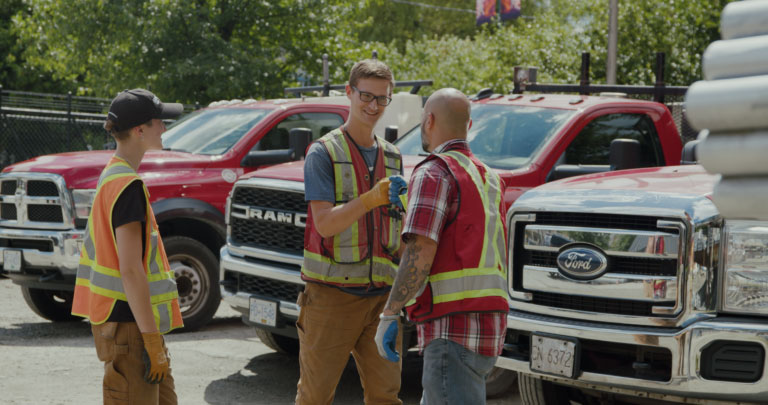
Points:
[(688, 349), (49, 259), (245, 278)]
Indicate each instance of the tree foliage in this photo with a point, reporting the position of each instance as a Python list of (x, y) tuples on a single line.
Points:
[(204, 50)]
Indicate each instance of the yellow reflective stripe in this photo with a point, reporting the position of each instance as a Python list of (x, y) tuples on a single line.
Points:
[(450, 275), (84, 282), (492, 292), (492, 221), (383, 269)]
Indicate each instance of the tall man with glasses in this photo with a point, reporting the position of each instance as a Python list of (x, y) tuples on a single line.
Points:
[(351, 246)]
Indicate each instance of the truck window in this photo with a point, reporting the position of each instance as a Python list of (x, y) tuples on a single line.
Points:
[(502, 136), (592, 144), (211, 132), (319, 123)]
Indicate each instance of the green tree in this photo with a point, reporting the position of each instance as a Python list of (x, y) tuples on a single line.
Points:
[(196, 50), (15, 73)]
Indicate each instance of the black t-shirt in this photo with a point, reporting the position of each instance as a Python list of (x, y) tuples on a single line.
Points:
[(131, 206)]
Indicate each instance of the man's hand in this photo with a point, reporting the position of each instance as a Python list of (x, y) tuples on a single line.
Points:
[(378, 195), (386, 337), (397, 190), (156, 365)]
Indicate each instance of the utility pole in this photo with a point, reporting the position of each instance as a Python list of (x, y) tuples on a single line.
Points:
[(613, 22)]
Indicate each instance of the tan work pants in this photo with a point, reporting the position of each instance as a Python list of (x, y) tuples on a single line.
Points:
[(332, 324), (119, 346)]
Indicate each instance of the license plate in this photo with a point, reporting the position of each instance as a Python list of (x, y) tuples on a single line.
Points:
[(553, 355), (263, 312), (12, 260)]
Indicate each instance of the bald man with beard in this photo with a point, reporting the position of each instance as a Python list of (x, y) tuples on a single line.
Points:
[(454, 264)]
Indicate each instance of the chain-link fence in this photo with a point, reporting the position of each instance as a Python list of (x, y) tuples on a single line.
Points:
[(34, 124)]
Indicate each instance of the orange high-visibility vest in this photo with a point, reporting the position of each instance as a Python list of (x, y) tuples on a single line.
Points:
[(469, 273), (363, 254), (99, 284)]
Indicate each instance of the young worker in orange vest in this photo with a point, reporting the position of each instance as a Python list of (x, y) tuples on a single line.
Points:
[(124, 284), (454, 264), (351, 244)]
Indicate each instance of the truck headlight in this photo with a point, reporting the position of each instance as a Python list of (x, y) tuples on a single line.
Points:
[(83, 199), (746, 267)]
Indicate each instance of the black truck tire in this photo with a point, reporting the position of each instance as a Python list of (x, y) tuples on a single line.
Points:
[(53, 305), (535, 391), (499, 382), (197, 278), (278, 343)]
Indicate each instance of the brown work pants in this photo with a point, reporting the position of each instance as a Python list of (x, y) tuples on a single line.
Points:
[(332, 324), (119, 346)]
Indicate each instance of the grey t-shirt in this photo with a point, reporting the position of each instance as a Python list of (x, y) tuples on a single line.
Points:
[(318, 186), (318, 172)]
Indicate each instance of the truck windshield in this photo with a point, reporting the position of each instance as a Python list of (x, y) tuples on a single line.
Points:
[(211, 132), (502, 136)]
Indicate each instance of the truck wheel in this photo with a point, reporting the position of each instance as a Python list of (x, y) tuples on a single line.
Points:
[(197, 278), (53, 305), (499, 382), (278, 343), (535, 391)]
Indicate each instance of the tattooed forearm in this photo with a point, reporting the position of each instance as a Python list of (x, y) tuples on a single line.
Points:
[(412, 273)]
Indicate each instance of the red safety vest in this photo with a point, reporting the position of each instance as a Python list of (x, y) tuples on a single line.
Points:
[(364, 253), (469, 271), (99, 284)]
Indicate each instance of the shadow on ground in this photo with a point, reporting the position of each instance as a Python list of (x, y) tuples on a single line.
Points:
[(271, 379)]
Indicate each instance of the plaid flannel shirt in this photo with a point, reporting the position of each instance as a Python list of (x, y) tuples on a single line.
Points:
[(433, 199)]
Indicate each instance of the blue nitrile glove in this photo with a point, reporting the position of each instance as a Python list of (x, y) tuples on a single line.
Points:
[(386, 337), (397, 186)]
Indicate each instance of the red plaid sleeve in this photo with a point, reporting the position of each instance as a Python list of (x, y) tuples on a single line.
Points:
[(431, 197)]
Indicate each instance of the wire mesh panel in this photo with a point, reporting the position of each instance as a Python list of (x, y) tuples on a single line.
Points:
[(35, 124)]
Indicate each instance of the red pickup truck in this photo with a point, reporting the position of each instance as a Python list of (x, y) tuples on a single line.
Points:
[(45, 201), (529, 139)]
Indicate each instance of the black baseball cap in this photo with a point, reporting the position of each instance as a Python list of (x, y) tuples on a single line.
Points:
[(135, 107)]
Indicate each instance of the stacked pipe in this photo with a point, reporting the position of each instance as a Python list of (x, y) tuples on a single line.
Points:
[(732, 104)]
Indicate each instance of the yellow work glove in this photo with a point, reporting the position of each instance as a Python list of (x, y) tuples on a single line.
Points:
[(378, 195), (156, 365)]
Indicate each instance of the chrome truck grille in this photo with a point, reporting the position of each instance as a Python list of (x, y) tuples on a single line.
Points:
[(34, 200), (268, 219), (635, 265)]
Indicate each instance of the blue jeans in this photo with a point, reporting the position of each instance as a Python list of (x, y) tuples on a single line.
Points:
[(454, 374)]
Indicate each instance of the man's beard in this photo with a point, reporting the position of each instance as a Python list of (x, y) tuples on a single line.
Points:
[(424, 143)]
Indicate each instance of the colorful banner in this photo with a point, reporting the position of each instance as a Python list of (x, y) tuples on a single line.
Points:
[(510, 9), (485, 10)]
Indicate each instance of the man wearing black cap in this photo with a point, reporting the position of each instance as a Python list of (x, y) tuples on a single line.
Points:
[(124, 285)]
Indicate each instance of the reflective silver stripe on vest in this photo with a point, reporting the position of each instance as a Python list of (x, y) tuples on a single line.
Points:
[(341, 158), (153, 267), (116, 169), (341, 273), (164, 312), (115, 284), (90, 249), (467, 283)]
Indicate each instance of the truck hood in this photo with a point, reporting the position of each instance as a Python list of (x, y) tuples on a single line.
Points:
[(294, 171), (673, 191), (82, 169)]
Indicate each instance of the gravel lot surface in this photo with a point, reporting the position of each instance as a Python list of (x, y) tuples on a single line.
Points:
[(225, 363)]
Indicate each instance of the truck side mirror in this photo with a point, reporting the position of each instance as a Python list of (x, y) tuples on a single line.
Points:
[(624, 154), (390, 133), (689, 156), (256, 158), (299, 140)]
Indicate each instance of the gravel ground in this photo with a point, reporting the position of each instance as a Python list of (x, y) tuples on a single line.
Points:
[(224, 363)]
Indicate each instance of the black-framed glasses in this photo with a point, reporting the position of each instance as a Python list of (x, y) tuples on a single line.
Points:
[(367, 97)]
